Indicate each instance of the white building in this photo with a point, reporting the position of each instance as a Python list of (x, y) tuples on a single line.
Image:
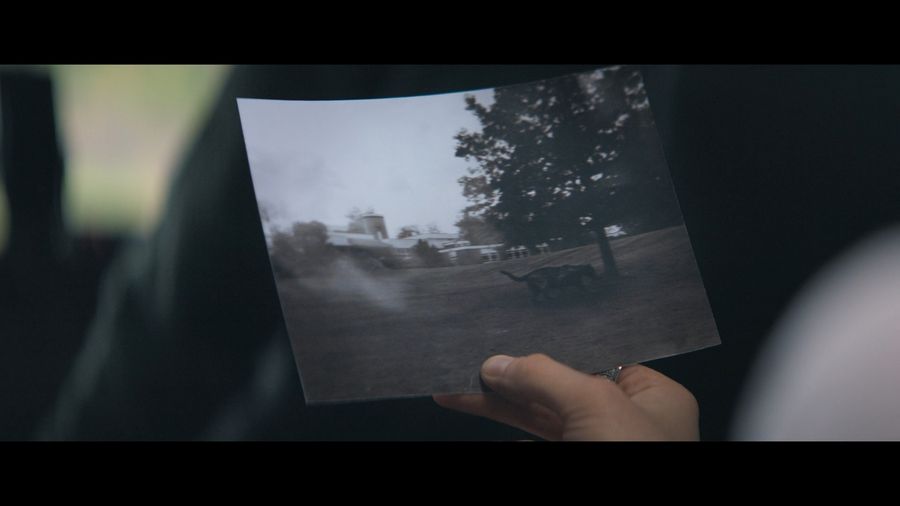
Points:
[(469, 254), (404, 247), (370, 233)]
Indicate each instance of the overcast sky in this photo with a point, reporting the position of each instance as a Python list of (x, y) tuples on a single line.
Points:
[(318, 160)]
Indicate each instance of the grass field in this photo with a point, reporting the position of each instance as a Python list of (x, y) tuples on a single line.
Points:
[(390, 333)]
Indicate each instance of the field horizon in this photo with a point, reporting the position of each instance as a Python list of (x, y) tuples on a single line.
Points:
[(364, 335)]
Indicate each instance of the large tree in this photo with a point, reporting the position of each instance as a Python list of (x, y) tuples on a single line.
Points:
[(475, 230), (302, 250), (408, 231), (559, 157), (428, 255)]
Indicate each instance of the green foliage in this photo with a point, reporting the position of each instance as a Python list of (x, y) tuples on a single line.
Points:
[(562, 156), (428, 255), (475, 230), (408, 231), (301, 251)]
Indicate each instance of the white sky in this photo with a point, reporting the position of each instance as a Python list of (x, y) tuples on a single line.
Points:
[(318, 160)]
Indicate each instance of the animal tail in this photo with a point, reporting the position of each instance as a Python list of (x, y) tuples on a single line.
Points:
[(512, 276)]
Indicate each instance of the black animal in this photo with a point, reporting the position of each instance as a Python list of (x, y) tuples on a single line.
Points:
[(548, 282)]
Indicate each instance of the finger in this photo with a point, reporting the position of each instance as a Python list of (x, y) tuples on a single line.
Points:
[(673, 408), (540, 379), (533, 418), (636, 379)]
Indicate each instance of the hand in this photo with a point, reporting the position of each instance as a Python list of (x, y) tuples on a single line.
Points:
[(548, 399)]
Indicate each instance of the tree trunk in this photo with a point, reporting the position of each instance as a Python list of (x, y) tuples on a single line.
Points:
[(609, 261)]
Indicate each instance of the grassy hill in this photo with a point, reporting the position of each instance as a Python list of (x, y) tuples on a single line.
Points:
[(418, 331)]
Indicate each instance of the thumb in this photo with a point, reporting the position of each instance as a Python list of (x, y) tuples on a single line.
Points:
[(539, 378)]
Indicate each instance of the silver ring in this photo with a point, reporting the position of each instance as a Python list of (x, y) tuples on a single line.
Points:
[(611, 374)]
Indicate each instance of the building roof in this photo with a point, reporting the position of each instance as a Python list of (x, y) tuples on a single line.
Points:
[(351, 239), (409, 242), (484, 248), (438, 235), (406, 242)]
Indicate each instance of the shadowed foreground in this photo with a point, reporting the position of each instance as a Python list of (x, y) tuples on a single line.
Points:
[(409, 332)]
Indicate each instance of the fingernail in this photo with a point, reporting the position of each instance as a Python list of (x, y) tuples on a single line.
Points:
[(496, 365)]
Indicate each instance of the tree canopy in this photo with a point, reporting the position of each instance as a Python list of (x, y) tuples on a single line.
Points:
[(428, 255), (408, 231), (301, 250), (560, 157), (475, 230)]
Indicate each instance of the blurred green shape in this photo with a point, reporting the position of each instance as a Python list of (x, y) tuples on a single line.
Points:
[(123, 129)]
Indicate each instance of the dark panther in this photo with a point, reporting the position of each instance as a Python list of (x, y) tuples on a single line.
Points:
[(552, 280)]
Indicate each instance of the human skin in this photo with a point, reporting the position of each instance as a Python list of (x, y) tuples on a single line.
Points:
[(557, 403)]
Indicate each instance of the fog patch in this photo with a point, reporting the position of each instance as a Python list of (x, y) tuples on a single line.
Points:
[(352, 280)]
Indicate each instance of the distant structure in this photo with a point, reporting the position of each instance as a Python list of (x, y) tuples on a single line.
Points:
[(373, 224), (465, 253), (404, 247), (369, 233), (517, 252)]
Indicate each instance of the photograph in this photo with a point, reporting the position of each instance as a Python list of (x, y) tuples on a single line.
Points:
[(411, 238)]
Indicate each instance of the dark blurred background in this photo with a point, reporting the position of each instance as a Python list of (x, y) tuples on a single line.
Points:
[(136, 299)]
